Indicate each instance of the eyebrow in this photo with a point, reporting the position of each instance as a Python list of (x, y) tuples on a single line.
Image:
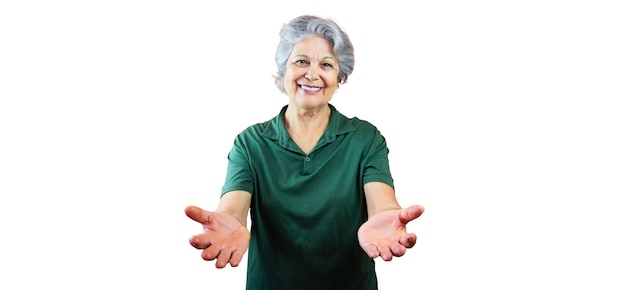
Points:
[(307, 57)]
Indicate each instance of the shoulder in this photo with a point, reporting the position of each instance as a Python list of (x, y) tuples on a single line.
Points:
[(363, 125), (267, 129), (357, 126)]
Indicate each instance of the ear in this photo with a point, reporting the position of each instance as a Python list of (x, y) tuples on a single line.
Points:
[(279, 82)]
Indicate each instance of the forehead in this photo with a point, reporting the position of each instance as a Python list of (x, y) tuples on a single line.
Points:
[(313, 45)]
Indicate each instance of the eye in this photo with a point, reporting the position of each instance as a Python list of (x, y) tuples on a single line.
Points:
[(301, 62), (328, 65)]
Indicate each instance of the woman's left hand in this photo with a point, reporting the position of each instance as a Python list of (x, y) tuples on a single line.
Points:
[(384, 235)]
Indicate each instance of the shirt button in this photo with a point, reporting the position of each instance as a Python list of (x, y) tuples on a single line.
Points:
[(307, 158)]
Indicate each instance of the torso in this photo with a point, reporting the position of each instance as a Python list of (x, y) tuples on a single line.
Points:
[(306, 142), (306, 210)]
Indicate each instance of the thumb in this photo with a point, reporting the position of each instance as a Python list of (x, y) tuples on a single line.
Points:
[(197, 214), (410, 213)]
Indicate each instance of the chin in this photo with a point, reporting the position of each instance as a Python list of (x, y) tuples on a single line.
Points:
[(310, 104)]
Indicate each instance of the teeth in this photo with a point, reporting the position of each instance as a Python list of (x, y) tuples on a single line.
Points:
[(310, 88)]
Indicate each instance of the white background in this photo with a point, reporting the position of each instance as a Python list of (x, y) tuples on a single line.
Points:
[(505, 119)]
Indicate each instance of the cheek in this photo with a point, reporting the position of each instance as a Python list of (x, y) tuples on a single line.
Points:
[(331, 77), (330, 92), (331, 81), (289, 84)]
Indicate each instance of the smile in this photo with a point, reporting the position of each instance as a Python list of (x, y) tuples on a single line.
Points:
[(309, 88)]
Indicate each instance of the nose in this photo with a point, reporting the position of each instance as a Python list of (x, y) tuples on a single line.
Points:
[(312, 74)]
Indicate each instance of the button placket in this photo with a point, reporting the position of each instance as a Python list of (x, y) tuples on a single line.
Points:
[(306, 166)]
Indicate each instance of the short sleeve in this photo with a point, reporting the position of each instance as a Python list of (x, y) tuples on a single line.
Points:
[(238, 173), (376, 161)]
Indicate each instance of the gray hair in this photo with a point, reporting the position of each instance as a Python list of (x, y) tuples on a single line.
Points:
[(308, 25)]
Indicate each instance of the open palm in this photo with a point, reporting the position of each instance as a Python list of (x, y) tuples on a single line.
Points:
[(223, 238), (384, 235)]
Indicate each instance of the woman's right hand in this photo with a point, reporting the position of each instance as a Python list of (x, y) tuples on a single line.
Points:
[(223, 237)]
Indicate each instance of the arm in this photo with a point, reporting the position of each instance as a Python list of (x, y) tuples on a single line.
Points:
[(225, 235), (379, 197), (237, 204), (384, 234)]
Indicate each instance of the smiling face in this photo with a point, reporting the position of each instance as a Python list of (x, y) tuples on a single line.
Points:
[(311, 74)]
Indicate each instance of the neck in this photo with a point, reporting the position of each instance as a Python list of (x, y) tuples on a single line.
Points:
[(304, 121)]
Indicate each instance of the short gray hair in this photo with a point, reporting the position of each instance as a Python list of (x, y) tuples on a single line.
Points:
[(308, 25)]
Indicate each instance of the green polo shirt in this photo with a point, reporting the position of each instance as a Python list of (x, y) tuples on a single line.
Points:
[(306, 209)]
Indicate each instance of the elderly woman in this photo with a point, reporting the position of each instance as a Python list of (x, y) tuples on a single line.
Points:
[(316, 183)]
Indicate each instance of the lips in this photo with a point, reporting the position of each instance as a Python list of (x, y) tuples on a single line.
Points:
[(310, 89)]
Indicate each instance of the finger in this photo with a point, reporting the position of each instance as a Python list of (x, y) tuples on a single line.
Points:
[(197, 214), (223, 258), (398, 250), (410, 213), (200, 241), (408, 240), (385, 252), (210, 253), (372, 251), (236, 258)]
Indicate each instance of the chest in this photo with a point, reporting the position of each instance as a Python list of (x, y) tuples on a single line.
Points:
[(306, 142)]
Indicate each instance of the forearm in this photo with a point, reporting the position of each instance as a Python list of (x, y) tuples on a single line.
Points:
[(236, 204), (380, 197)]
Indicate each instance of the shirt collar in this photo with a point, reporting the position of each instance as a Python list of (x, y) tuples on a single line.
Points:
[(338, 125)]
